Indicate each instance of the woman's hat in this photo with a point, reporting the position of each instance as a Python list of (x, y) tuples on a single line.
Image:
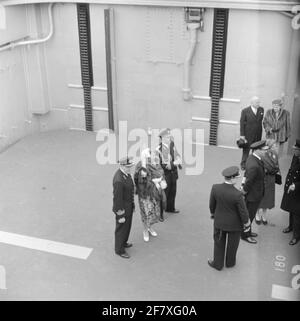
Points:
[(258, 145)]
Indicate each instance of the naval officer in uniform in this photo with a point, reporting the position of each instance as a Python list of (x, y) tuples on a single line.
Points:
[(170, 160), (123, 205), (291, 197), (254, 186), (229, 211)]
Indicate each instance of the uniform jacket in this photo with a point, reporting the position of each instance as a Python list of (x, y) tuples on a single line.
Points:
[(123, 192), (167, 155), (281, 127), (228, 207), (291, 201), (251, 124), (255, 175)]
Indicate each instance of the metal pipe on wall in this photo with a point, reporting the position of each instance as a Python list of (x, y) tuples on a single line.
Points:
[(34, 41), (192, 27), (107, 22)]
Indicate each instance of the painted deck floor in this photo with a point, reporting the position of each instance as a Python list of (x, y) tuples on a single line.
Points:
[(52, 189)]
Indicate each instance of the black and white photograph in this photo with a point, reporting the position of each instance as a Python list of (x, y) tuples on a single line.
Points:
[(149, 153)]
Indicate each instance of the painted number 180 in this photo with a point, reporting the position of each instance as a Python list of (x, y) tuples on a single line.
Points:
[(280, 263)]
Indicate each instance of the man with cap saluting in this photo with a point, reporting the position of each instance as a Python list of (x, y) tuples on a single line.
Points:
[(291, 197), (169, 160), (123, 205), (228, 209), (253, 186)]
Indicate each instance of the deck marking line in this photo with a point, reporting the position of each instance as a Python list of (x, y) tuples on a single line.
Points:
[(285, 293), (35, 243)]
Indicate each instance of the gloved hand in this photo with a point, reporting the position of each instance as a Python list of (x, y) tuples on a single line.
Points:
[(247, 226)]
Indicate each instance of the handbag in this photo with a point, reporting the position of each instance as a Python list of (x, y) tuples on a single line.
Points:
[(278, 179)]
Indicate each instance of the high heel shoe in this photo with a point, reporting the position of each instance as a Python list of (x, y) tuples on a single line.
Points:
[(257, 221), (152, 232), (146, 236)]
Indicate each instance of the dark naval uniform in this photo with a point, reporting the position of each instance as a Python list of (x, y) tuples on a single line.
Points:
[(230, 214), (254, 186), (123, 199), (251, 128), (167, 155), (291, 201)]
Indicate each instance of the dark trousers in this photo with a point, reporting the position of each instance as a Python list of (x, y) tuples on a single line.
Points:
[(245, 155), (295, 224), (161, 210), (225, 251), (122, 232), (252, 208), (290, 221), (171, 179)]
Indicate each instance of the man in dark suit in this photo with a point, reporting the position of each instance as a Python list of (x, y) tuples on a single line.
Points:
[(228, 209), (169, 161), (253, 186), (123, 205), (251, 127), (291, 197)]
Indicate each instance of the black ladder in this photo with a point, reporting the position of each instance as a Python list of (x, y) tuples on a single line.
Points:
[(217, 70), (86, 61)]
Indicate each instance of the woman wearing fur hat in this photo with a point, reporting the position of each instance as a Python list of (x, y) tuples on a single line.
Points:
[(277, 124)]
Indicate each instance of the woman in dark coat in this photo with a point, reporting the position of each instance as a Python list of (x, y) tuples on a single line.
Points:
[(271, 165)]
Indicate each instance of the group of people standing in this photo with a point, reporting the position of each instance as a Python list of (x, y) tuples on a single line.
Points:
[(234, 210), (155, 183), (276, 123)]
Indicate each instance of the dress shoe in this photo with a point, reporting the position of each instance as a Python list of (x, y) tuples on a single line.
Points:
[(252, 234), (265, 222), (211, 264), (249, 239), (124, 255), (127, 245), (287, 230), (230, 266), (258, 222), (161, 219), (294, 241), (146, 236), (174, 211), (152, 232)]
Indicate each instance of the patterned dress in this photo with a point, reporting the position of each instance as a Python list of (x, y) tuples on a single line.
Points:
[(148, 194)]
